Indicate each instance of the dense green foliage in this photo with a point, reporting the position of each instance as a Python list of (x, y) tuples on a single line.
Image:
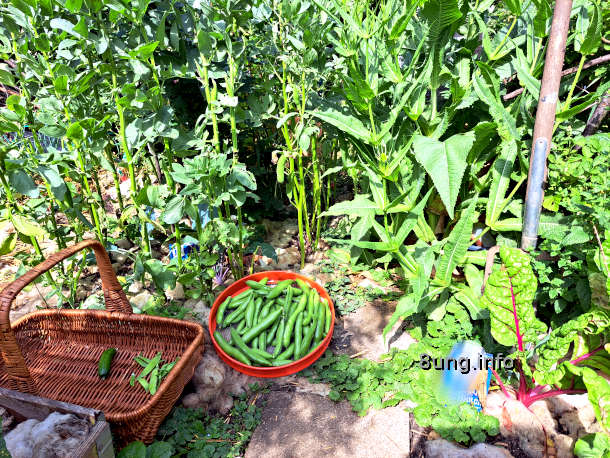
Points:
[(367, 384), (193, 433), (215, 114)]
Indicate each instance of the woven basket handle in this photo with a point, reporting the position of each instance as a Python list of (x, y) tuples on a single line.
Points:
[(115, 298)]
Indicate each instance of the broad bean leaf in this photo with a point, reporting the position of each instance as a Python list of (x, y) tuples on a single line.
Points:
[(163, 278), (508, 295), (588, 30), (27, 226), (343, 120), (23, 184)]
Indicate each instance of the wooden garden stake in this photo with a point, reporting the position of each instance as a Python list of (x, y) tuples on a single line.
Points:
[(545, 120)]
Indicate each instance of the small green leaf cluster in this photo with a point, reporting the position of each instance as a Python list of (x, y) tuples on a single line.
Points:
[(193, 433), (367, 384)]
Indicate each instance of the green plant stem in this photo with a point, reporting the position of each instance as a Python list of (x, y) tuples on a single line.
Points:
[(210, 95), (231, 93), (566, 105), (501, 45), (115, 178), (85, 182), (316, 193)]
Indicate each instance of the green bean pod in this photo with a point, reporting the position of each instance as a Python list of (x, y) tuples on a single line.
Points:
[(262, 341), (221, 310), (281, 362), (307, 341), (233, 316), (296, 291), (327, 313), (241, 326), (298, 333), (310, 306), (287, 304), (230, 350), (237, 340), (279, 288), (272, 331), (278, 338), (244, 295), (262, 354), (264, 324), (250, 311), (286, 354), (255, 285), (303, 285), (321, 321), (291, 322)]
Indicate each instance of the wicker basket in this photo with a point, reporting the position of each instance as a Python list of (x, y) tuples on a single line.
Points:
[(54, 353)]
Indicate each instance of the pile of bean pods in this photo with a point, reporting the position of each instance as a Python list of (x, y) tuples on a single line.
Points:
[(273, 325)]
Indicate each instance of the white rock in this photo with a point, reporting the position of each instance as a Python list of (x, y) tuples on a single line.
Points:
[(175, 294), (403, 342), (141, 299), (372, 284), (568, 402), (199, 309), (135, 287), (288, 256), (441, 448), (118, 257), (516, 421)]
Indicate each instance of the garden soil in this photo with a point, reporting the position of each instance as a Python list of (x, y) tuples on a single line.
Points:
[(309, 425)]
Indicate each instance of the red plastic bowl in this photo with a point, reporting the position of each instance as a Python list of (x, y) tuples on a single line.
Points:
[(274, 276)]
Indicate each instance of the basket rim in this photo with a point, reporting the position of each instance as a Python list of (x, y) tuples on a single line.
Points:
[(189, 353)]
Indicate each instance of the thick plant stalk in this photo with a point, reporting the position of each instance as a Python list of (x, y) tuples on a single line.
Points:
[(545, 119), (210, 96), (231, 93), (317, 204)]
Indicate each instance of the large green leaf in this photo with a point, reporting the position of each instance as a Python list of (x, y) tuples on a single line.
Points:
[(27, 226), (360, 206), (8, 244), (163, 278), (342, 120), (502, 168), (485, 85), (174, 210), (440, 14), (588, 30), (445, 162), (22, 183), (594, 445), (456, 246), (509, 294), (572, 340)]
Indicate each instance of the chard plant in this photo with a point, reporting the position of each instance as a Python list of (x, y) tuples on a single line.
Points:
[(571, 358)]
